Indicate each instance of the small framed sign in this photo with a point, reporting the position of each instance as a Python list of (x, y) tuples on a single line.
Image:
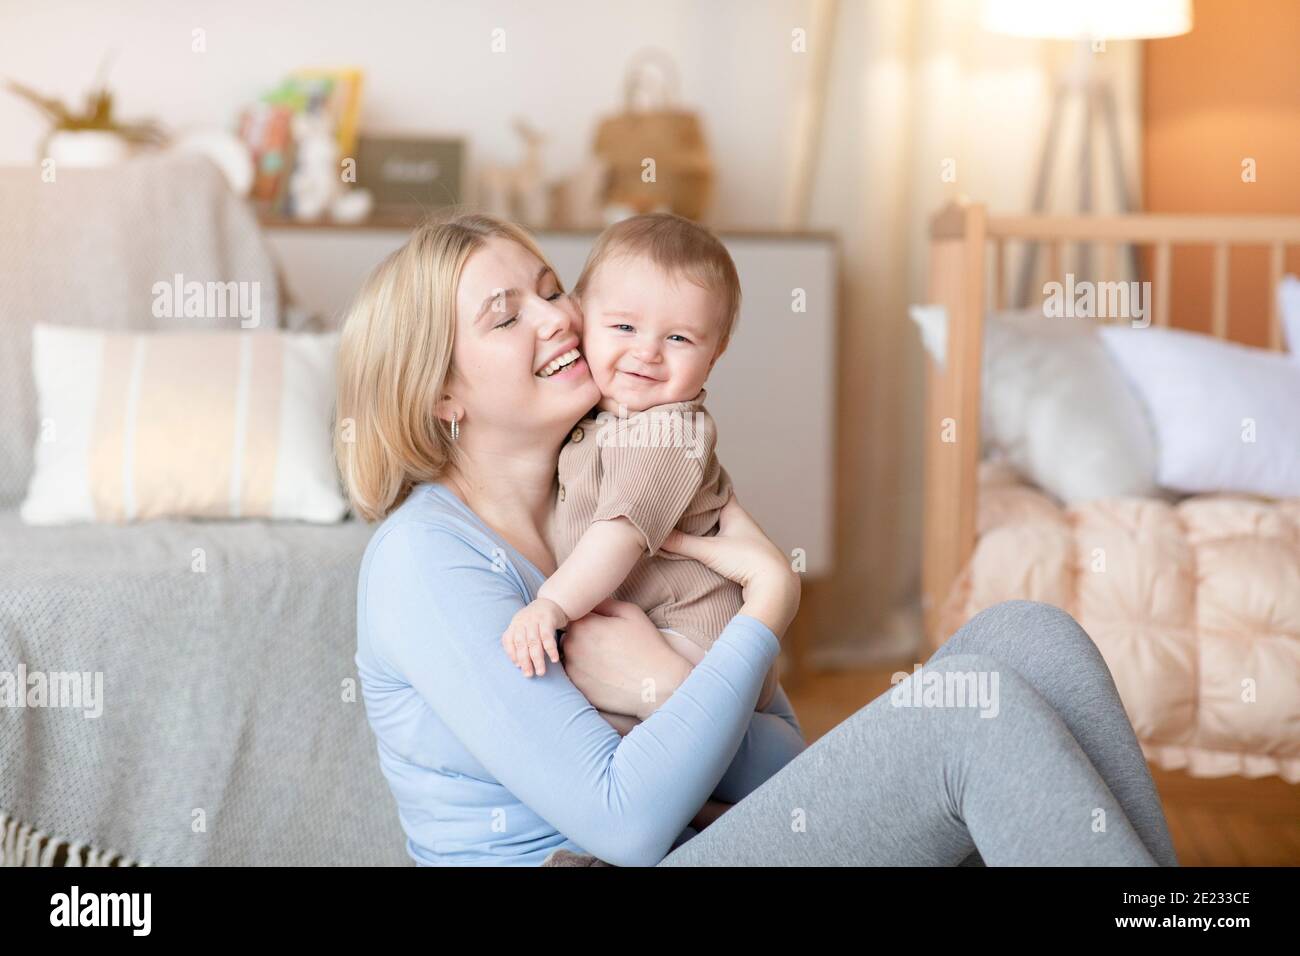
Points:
[(411, 173)]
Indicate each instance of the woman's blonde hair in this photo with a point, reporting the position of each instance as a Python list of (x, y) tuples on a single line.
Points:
[(395, 358)]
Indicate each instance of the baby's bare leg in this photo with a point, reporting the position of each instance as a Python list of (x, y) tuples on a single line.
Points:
[(694, 654), (620, 722), (683, 647)]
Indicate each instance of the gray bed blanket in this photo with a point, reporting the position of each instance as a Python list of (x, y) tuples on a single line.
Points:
[(230, 725)]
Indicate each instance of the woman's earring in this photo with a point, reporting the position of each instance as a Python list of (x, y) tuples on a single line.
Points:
[(455, 427)]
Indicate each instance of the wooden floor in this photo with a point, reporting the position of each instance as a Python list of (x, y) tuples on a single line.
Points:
[(1229, 821)]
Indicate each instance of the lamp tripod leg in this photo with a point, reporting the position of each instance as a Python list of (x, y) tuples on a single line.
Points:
[(1110, 116), (1084, 264), (1040, 192)]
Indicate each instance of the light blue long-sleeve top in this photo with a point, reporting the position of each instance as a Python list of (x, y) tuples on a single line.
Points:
[(489, 767)]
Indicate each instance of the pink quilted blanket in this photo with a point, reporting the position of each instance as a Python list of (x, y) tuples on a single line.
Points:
[(1195, 606)]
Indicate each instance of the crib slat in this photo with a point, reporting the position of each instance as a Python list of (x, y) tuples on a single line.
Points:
[(1220, 317), (1000, 273), (1054, 261), (1276, 259), (1109, 272), (1163, 291)]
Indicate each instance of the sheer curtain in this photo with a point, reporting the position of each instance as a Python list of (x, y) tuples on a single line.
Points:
[(923, 106)]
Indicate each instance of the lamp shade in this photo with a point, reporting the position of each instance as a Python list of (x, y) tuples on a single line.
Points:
[(1085, 19)]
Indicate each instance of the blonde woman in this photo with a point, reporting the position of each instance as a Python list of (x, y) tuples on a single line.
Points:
[(450, 437)]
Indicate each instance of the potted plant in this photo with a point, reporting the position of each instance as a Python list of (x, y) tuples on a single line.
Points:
[(91, 137)]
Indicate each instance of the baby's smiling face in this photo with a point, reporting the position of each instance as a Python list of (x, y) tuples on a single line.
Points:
[(649, 338)]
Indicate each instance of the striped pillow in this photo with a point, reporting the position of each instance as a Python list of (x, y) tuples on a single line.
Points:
[(146, 425)]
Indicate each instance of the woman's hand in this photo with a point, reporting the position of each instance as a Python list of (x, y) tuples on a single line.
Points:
[(742, 553), (620, 661)]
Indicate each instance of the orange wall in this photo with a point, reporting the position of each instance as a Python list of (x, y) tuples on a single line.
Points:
[(1228, 90)]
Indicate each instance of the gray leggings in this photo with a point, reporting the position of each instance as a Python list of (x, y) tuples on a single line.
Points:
[(1054, 776)]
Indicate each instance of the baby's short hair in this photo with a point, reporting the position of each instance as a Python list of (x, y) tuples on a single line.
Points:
[(679, 247)]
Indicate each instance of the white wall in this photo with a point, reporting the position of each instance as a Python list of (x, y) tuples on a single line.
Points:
[(430, 69)]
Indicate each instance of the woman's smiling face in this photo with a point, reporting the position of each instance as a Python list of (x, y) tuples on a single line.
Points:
[(514, 325)]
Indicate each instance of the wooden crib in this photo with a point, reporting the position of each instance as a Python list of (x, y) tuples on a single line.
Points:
[(968, 269)]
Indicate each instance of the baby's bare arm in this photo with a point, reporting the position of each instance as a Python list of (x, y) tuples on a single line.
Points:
[(605, 554)]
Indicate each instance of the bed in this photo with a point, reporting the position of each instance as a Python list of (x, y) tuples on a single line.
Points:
[(1197, 612), (227, 729)]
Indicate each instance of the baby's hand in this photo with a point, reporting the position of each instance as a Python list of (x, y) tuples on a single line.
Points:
[(531, 636)]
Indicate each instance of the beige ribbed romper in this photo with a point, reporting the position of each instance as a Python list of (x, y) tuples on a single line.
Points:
[(658, 469)]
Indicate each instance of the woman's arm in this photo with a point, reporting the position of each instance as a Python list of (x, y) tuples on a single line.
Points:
[(768, 689), (435, 610), (738, 552), (773, 739)]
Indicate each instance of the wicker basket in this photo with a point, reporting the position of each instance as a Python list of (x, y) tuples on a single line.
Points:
[(650, 127)]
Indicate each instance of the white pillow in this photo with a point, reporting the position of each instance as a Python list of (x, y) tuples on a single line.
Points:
[(138, 425), (1056, 406), (1227, 417)]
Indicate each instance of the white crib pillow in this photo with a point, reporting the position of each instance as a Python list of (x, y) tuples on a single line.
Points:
[(1226, 416), (1057, 408), (1054, 405)]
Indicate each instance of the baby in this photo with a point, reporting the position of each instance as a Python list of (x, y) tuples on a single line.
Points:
[(660, 297)]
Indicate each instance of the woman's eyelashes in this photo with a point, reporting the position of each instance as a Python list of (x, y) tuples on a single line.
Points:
[(515, 318)]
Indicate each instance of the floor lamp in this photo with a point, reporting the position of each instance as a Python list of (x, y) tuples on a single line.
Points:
[(1090, 23)]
